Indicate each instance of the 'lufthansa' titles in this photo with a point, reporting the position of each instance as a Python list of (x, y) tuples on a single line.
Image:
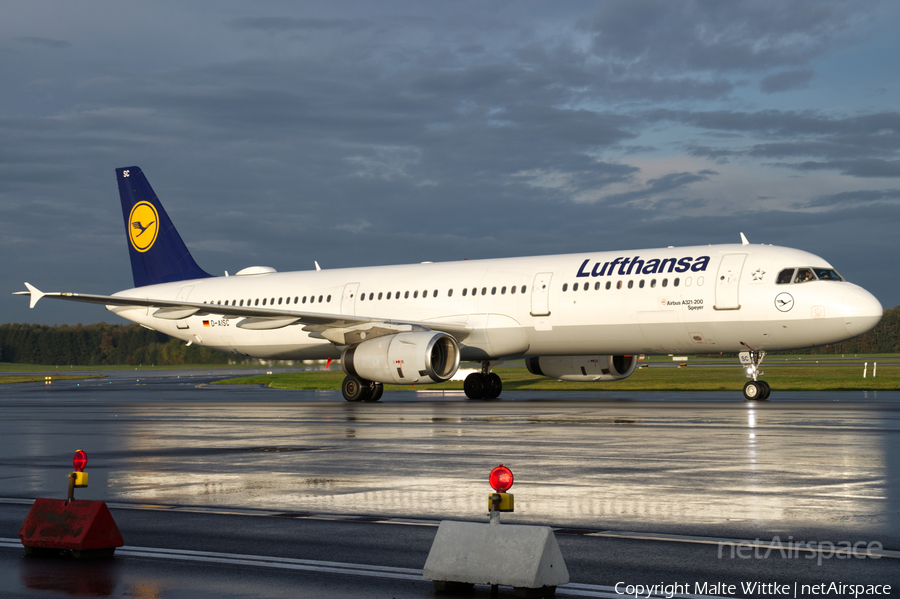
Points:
[(624, 266)]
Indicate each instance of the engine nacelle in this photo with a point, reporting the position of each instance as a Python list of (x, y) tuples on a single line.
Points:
[(404, 358), (585, 369)]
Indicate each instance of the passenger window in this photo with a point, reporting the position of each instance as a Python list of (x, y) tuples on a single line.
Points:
[(397, 295), (565, 286), (641, 284), (371, 296), (474, 290), (256, 302), (264, 301), (450, 292), (630, 284), (512, 289), (523, 288), (296, 299), (279, 301), (304, 299), (242, 302), (415, 294), (574, 287), (493, 291), (434, 294), (465, 290), (389, 295), (406, 295), (804, 275), (608, 285), (379, 295), (503, 290), (652, 283), (784, 277), (699, 280), (675, 282), (484, 291), (665, 282), (320, 299), (597, 286), (362, 297), (619, 285)]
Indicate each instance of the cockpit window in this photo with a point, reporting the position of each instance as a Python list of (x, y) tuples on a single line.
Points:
[(827, 274), (784, 277), (804, 275)]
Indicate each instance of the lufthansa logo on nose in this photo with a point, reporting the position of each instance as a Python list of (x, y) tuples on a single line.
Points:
[(143, 225), (784, 301)]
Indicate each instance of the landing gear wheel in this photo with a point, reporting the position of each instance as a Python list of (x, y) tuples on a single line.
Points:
[(494, 386), (375, 391), (754, 390), (766, 390), (475, 385), (353, 388)]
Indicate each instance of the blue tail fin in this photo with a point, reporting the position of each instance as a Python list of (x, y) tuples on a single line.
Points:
[(158, 255)]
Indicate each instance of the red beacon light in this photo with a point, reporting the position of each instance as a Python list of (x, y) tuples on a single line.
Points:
[(79, 462), (501, 478)]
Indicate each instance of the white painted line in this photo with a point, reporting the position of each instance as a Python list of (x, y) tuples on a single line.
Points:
[(286, 563), (776, 546)]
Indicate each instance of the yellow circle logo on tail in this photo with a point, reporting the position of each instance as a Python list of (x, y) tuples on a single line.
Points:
[(143, 225)]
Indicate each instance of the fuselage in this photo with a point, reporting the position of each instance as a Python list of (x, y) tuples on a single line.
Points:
[(686, 300)]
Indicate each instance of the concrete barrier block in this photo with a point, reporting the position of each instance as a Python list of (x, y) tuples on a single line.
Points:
[(525, 557)]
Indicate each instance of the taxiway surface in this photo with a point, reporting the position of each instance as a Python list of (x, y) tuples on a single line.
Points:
[(642, 485)]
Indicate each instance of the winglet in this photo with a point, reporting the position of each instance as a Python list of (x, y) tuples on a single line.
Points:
[(744, 240), (34, 292), (317, 265)]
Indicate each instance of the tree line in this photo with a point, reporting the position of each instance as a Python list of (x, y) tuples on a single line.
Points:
[(120, 344), (99, 344)]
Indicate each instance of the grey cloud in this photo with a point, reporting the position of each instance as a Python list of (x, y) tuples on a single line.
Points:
[(270, 24), (786, 80), (44, 42), (658, 36), (855, 168), (863, 196)]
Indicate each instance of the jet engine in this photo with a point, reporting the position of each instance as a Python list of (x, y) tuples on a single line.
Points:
[(404, 358), (585, 369)]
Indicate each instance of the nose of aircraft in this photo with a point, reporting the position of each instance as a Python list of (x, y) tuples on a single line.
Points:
[(861, 312)]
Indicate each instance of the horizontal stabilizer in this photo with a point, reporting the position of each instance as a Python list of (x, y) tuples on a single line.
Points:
[(34, 292)]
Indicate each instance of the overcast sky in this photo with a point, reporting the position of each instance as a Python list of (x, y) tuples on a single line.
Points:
[(365, 133)]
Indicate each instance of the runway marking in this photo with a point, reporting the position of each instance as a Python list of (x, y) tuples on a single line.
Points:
[(614, 534), (307, 565)]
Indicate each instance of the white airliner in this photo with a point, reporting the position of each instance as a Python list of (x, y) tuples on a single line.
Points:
[(578, 317)]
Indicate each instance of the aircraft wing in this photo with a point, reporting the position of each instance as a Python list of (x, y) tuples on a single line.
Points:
[(341, 329)]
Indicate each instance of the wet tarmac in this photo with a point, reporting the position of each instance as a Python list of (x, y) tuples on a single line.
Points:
[(811, 467)]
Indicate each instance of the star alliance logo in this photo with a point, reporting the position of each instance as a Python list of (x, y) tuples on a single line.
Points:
[(758, 274)]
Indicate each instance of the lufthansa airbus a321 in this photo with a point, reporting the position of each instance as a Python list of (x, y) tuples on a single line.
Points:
[(577, 317)]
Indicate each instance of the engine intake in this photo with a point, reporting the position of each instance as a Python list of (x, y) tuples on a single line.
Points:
[(586, 369), (404, 358)]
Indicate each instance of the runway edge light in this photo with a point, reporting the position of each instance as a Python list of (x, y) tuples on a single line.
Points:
[(526, 558), (86, 528)]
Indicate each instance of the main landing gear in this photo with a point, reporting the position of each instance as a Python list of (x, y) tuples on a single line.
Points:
[(357, 389), (754, 389), (484, 384)]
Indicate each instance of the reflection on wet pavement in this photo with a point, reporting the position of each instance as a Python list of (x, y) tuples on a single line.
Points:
[(627, 464)]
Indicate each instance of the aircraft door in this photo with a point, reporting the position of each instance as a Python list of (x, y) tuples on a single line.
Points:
[(348, 300), (540, 294), (727, 281)]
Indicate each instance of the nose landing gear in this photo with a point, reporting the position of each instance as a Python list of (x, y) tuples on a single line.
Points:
[(754, 389)]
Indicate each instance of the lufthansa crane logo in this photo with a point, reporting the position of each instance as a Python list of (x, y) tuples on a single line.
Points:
[(143, 225), (784, 302)]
